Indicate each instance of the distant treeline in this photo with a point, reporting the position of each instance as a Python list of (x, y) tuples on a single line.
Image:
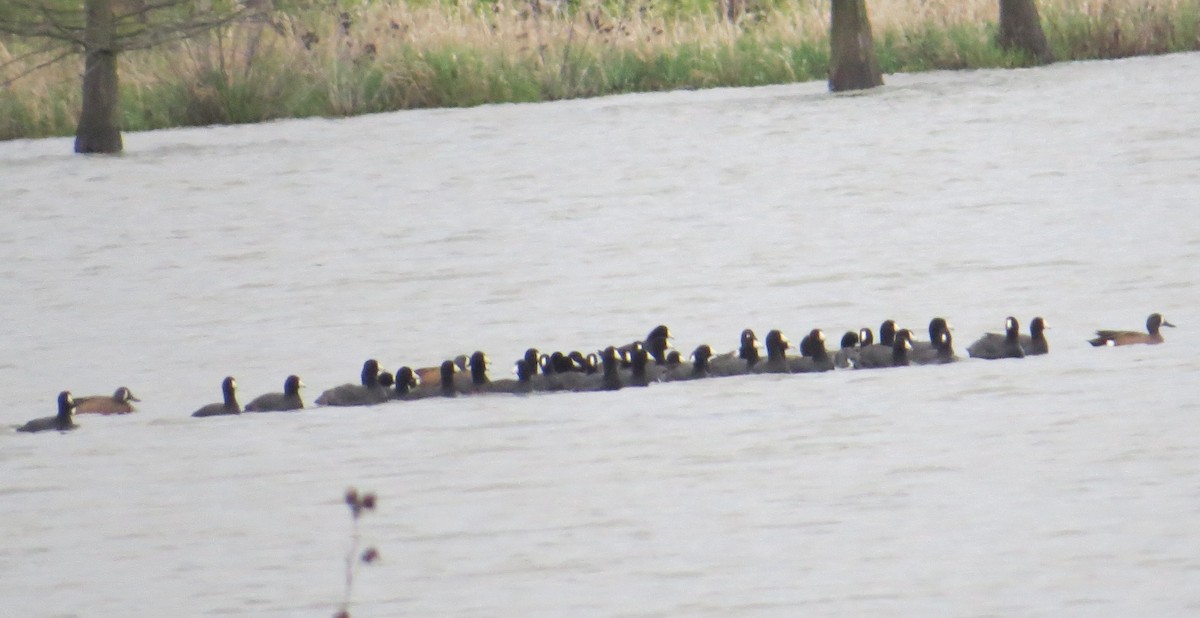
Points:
[(334, 59)]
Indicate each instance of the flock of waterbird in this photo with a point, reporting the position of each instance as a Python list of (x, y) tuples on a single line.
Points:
[(639, 363)]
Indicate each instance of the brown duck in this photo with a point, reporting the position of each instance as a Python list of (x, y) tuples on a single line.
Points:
[(1129, 337), (103, 404)]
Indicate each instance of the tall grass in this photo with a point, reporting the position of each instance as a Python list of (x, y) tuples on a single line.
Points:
[(400, 55)]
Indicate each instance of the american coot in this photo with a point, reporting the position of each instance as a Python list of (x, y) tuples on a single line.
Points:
[(103, 404), (406, 381), (289, 399), (63, 421), (475, 379), (887, 333), (940, 347), (777, 362), (813, 355), (518, 386), (228, 406), (609, 379), (847, 353), (443, 386), (696, 370), (1129, 337), (992, 346), (737, 363), (368, 392), (878, 356), (657, 343), (865, 337), (1035, 342), (639, 361)]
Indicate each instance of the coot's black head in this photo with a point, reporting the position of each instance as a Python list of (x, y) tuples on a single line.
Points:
[(849, 340), (1154, 322), (546, 365), (578, 361), (406, 380), (659, 332), (478, 364), (814, 345), (446, 372), (674, 358), (560, 362), (1012, 329), (532, 358), (460, 361), (228, 388), (524, 371), (944, 342), (700, 358), (865, 337), (124, 395), (638, 359), (748, 351), (657, 346), (936, 326), (887, 332), (593, 363), (66, 408), (777, 345), (370, 373), (901, 344), (1037, 328), (386, 379), (291, 386)]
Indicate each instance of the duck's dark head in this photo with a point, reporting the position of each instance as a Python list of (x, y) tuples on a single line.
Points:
[(1012, 329), (124, 395), (446, 372), (777, 345), (1155, 321), (865, 337), (406, 380), (66, 408), (478, 364), (561, 362), (229, 389), (657, 346), (532, 357), (659, 332), (700, 358), (887, 332), (291, 386), (813, 345), (901, 344), (524, 371), (370, 373), (937, 325), (748, 350)]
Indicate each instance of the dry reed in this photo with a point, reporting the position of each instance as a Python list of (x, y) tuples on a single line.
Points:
[(397, 55)]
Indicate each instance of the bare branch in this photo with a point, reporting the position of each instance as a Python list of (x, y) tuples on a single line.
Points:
[(70, 52)]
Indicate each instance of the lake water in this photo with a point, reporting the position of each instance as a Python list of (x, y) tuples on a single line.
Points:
[(1063, 485)]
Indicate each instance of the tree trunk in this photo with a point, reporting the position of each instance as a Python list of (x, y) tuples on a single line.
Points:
[(852, 61), (97, 131), (1021, 29)]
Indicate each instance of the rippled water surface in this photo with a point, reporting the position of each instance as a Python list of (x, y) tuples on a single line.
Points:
[(1060, 485)]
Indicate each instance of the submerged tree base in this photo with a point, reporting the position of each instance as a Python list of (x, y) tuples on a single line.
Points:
[(390, 56)]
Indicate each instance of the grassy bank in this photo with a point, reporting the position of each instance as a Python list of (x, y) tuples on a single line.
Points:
[(395, 55)]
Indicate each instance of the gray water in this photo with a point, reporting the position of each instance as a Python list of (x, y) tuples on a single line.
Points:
[(1057, 485)]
